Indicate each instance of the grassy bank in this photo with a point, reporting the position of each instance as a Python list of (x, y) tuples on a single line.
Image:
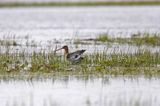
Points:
[(139, 39), (24, 57), (35, 4), (141, 63)]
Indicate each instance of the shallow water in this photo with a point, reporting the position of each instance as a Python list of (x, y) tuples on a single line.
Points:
[(72, 23), (66, 24), (78, 22), (81, 91)]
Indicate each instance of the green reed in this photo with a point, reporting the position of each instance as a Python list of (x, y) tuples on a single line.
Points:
[(152, 39), (46, 61), (96, 63)]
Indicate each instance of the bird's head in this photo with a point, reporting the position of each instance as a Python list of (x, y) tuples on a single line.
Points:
[(65, 49)]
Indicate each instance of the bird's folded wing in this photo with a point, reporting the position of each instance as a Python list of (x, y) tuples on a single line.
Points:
[(73, 57)]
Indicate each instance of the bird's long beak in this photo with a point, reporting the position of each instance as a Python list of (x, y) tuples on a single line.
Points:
[(58, 49)]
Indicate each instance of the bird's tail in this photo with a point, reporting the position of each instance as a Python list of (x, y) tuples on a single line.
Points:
[(82, 51)]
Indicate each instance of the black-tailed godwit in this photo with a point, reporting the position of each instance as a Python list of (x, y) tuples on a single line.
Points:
[(73, 57)]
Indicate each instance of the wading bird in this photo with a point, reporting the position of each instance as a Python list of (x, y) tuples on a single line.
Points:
[(73, 57)]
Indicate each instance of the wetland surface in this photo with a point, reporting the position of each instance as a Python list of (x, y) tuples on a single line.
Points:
[(81, 91), (78, 22), (32, 74)]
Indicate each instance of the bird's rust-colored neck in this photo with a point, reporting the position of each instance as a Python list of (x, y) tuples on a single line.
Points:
[(66, 51)]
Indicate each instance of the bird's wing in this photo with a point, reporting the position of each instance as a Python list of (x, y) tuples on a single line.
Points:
[(73, 56)]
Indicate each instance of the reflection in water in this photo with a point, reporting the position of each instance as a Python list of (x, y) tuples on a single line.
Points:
[(78, 90)]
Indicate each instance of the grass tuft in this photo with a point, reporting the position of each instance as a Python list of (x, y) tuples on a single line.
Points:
[(103, 38)]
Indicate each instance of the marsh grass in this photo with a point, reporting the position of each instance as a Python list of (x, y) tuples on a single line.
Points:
[(8, 42), (35, 4), (103, 38), (47, 62), (137, 39), (142, 62), (141, 39), (152, 39)]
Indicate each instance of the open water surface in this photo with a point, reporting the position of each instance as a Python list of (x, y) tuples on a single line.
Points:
[(81, 91), (46, 23)]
